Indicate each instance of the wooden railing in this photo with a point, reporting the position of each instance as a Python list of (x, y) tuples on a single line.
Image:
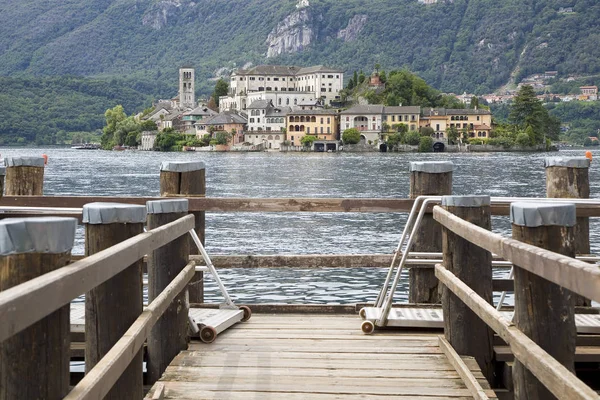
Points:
[(577, 276), (20, 306)]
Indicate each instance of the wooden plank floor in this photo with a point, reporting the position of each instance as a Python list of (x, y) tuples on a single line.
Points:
[(314, 357)]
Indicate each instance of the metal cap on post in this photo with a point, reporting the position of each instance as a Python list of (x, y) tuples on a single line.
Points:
[(431, 167), (544, 311), (113, 306), (182, 166), (50, 235), (24, 162), (113, 213), (167, 206), (29, 248), (567, 162), (466, 201), (427, 178), (533, 215), (24, 176)]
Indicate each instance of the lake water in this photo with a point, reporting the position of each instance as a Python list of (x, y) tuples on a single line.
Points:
[(136, 173)]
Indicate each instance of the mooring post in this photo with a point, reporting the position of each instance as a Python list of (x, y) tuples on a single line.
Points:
[(568, 178), (465, 331), (544, 311), (113, 306), (188, 179), (2, 175), (170, 334), (432, 178), (24, 176), (34, 363)]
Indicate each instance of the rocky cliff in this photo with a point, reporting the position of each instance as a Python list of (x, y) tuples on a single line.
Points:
[(291, 35), (160, 13), (354, 27)]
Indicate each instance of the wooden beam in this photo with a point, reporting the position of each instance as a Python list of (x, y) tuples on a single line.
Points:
[(299, 261), (97, 382), (462, 369), (577, 276), (558, 379), (20, 306)]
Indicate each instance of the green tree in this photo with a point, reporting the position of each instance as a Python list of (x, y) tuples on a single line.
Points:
[(351, 136), (452, 134), (221, 89), (112, 116), (148, 125), (350, 84), (425, 144), (393, 140), (426, 131), (308, 140), (528, 111), (222, 138), (166, 140), (474, 102), (587, 142), (413, 138), (355, 78)]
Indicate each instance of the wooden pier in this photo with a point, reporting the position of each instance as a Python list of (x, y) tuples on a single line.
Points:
[(316, 356), (299, 351)]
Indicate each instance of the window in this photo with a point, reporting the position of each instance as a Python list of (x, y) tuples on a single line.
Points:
[(322, 76), (321, 130), (478, 118), (321, 120), (330, 77), (437, 127), (260, 78), (258, 120), (307, 130), (328, 130), (329, 89), (373, 118), (292, 139), (347, 118), (328, 120), (323, 89), (287, 101), (412, 117), (275, 79), (251, 120), (279, 101), (384, 118), (393, 118)]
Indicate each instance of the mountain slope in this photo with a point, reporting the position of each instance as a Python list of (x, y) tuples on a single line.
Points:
[(456, 45)]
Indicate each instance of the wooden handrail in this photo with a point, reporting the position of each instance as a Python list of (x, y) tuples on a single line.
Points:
[(23, 305), (558, 379), (577, 276), (97, 383), (298, 204)]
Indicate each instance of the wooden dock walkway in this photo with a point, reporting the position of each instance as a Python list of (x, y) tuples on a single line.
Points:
[(315, 357)]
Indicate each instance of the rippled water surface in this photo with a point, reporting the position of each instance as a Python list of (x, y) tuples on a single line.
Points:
[(133, 173)]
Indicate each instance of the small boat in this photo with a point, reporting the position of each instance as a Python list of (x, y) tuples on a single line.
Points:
[(86, 146)]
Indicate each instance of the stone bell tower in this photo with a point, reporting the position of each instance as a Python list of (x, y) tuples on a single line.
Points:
[(187, 97)]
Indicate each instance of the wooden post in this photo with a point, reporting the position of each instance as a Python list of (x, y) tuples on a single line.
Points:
[(434, 179), (2, 175), (24, 176), (465, 331), (113, 306), (34, 363), (170, 334), (544, 311), (188, 178), (568, 178)]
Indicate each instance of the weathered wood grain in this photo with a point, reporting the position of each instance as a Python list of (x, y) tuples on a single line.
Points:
[(577, 276), (20, 306), (170, 333), (24, 181)]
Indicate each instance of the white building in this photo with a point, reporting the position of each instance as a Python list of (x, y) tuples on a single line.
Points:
[(264, 116), (283, 85), (187, 96), (366, 118)]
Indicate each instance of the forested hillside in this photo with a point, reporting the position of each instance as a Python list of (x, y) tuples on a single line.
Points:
[(459, 45)]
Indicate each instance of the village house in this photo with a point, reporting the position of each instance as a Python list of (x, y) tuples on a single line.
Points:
[(264, 116), (366, 118), (477, 122), (407, 115), (227, 121), (589, 93), (282, 85), (189, 118), (320, 123)]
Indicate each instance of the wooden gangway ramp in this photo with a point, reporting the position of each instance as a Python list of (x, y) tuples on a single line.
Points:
[(315, 357)]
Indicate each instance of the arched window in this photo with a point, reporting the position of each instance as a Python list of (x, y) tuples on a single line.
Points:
[(297, 128), (302, 118), (270, 137), (279, 101), (291, 128), (301, 128), (313, 119), (277, 137), (287, 101), (295, 102)]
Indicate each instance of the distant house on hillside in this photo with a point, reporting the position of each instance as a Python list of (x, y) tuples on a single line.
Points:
[(226, 121), (589, 92)]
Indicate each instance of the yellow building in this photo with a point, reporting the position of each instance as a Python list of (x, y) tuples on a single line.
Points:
[(407, 115), (477, 122), (320, 123)]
